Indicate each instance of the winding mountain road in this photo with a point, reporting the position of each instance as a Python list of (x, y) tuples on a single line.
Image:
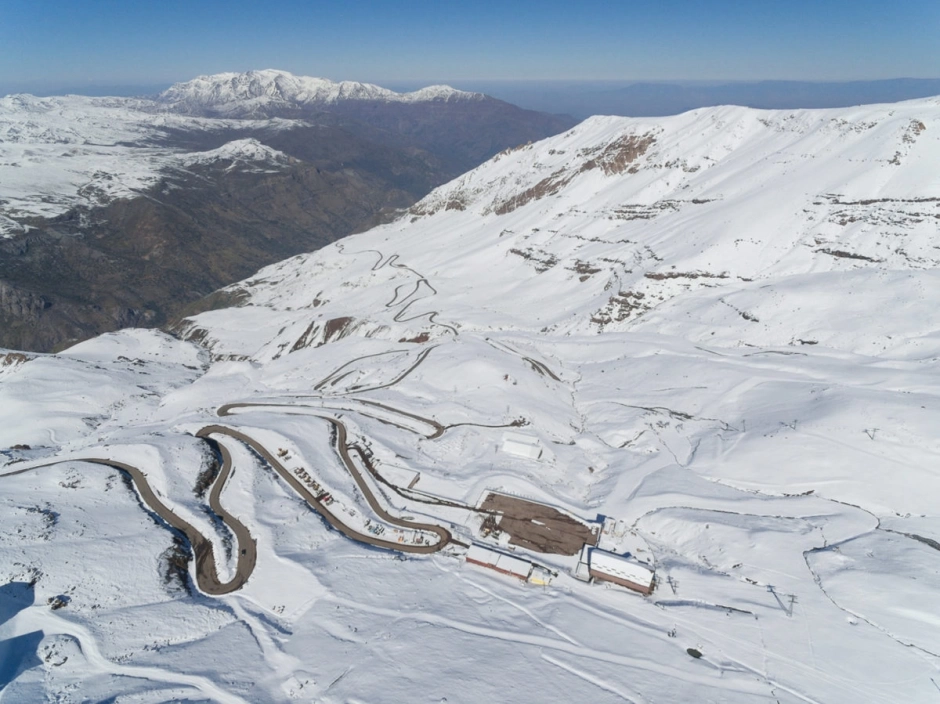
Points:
[(207, 575), (444, 535), (206, 566), (536, 366), (392, 261), (335, 375), (436, 428)]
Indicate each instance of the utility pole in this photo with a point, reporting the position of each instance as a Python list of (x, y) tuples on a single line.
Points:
[(788, 610)]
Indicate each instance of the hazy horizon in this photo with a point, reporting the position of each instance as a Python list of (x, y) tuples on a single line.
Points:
[(582, 98)]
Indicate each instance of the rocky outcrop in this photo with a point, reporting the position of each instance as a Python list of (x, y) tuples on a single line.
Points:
[(17, 303)]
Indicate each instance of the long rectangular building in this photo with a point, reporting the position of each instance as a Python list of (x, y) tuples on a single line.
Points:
[(620, 570), (501, 562), (521, 445)]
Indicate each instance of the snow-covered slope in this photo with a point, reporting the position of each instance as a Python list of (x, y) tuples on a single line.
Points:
[(726, 226), (720, 331), (247, 153), (245, 94), (62, 152)]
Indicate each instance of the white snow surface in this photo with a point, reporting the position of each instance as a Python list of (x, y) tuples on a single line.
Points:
[(723, 329), (62, 152), (244, 152)]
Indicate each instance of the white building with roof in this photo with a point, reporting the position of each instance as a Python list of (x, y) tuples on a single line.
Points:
[(520, 445), (621, 570), (583, 569), (501, 562)]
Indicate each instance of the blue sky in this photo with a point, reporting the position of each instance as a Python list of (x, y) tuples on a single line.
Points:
[(49, 43)]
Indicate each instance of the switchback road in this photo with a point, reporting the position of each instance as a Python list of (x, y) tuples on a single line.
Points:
[(444, 535), (207, 575)]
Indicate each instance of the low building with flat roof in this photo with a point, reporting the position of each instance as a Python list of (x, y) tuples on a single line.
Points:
[(499, 561), (618, 569), (541, 576), (521, 445), (583, 569)]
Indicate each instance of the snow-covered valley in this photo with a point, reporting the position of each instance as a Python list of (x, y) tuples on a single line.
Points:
[(719, 331)]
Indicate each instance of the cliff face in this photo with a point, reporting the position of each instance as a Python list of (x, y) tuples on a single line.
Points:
[(24, 305)]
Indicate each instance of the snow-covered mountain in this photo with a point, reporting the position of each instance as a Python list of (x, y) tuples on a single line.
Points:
[(695, 223), (60, 153), (712, 338), (245, 153), (56, 152), (246, 94), (113, 180)]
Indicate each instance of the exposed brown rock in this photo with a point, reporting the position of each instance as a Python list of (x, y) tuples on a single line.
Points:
[(12, 359), (663, 275), (842, 254), (305, 339), (548, 186), (336, 329), (420, 338), (619, 156)]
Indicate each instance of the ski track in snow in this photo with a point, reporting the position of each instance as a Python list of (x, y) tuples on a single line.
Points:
[(49, 625), (539, 642)]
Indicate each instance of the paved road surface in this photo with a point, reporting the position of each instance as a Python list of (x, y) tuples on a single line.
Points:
[(207, 575), (444, 536), (437, 428)]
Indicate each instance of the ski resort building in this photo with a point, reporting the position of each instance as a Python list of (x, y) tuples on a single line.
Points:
[(521, 446), (541, 576), (501, 562), (609, 567), (583, 569)]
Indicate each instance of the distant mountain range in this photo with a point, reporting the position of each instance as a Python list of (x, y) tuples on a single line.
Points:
[(121, 211), (271, 93), (650, 98), (584, 98)]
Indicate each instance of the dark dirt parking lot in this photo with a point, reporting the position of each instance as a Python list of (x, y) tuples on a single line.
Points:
[(539, 527)]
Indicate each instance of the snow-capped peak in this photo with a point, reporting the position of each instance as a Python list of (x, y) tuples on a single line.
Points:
[(239, 151), (254, 90), (438, 92)]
